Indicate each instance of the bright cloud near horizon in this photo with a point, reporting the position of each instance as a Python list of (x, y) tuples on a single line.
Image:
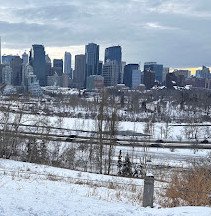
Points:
[(174, 33)]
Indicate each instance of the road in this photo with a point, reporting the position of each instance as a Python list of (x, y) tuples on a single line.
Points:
[(168, 144)]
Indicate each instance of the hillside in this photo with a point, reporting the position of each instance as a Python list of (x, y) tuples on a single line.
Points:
[(30, 189)]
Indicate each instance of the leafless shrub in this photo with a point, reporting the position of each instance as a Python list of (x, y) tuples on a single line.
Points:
[(191, 187)]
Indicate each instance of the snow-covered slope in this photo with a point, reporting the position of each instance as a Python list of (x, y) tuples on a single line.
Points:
[(30, 189)]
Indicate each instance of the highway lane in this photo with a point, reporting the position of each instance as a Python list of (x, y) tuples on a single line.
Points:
[(106, 141)]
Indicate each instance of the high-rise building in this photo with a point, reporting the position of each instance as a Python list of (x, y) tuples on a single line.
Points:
[(58, 66), (136, 78), (165, 72), (67, 64), (79, 73), (25, 58), (156, 68), (91, 59), (128, 71), (48, 68), (37, 60), (149, 78), (1, 68), (122, 70), (6, 59), (114, 53), (142, 77), (171, 80), (199, 73), (205, 72), (110, 73), (25, 61), (100, 68), (16, 65), (7, 75)]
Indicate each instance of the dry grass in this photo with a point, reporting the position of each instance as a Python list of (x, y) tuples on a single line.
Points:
[(53, 177), (191, 187)]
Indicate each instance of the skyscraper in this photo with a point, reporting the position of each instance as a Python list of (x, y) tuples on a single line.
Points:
[(122, 70), (128, 72), (136, 78), (1, 68), (165, 72), (205, 72), (114, 53), (149, 78), (91, 60), (156, 68), (67, 64), (37, 60), (79, 73), (58, 66), (6, 59), (25, 58), (48, 68), (7, 75), (16, 65), (111, 73), (100, 68)]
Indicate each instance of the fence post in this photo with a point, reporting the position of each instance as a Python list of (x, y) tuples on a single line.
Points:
[(148, 190)]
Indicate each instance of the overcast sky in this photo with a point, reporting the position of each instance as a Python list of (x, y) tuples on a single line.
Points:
[(176, 33)]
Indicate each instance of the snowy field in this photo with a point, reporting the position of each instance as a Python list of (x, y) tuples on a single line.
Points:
[(30, 189)]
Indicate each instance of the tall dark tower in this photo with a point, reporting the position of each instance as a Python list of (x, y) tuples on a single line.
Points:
[(128, 70), (37, 60), (16, 65), (149, 78), (115, 54), (156, 68), (91, 59), (58, 66), (79, 73)]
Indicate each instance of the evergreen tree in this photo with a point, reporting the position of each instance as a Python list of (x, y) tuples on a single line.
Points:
[(119, 163), (127, 167)]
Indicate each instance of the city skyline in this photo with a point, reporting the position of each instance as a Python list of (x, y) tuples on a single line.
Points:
[(170, 32), (81, 51)]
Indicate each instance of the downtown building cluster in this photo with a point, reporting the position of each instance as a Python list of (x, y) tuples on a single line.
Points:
[(35, 70)]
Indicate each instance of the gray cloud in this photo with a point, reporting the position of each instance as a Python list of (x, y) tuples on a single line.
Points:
[(172, 32)]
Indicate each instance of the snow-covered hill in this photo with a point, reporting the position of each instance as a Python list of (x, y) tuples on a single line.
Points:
[(30, 189)]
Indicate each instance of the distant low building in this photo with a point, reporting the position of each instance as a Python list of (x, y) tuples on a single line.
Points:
[(208, 84), (95, 82), (31, 82), (196, 82), (140, 87), (185, 73)]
